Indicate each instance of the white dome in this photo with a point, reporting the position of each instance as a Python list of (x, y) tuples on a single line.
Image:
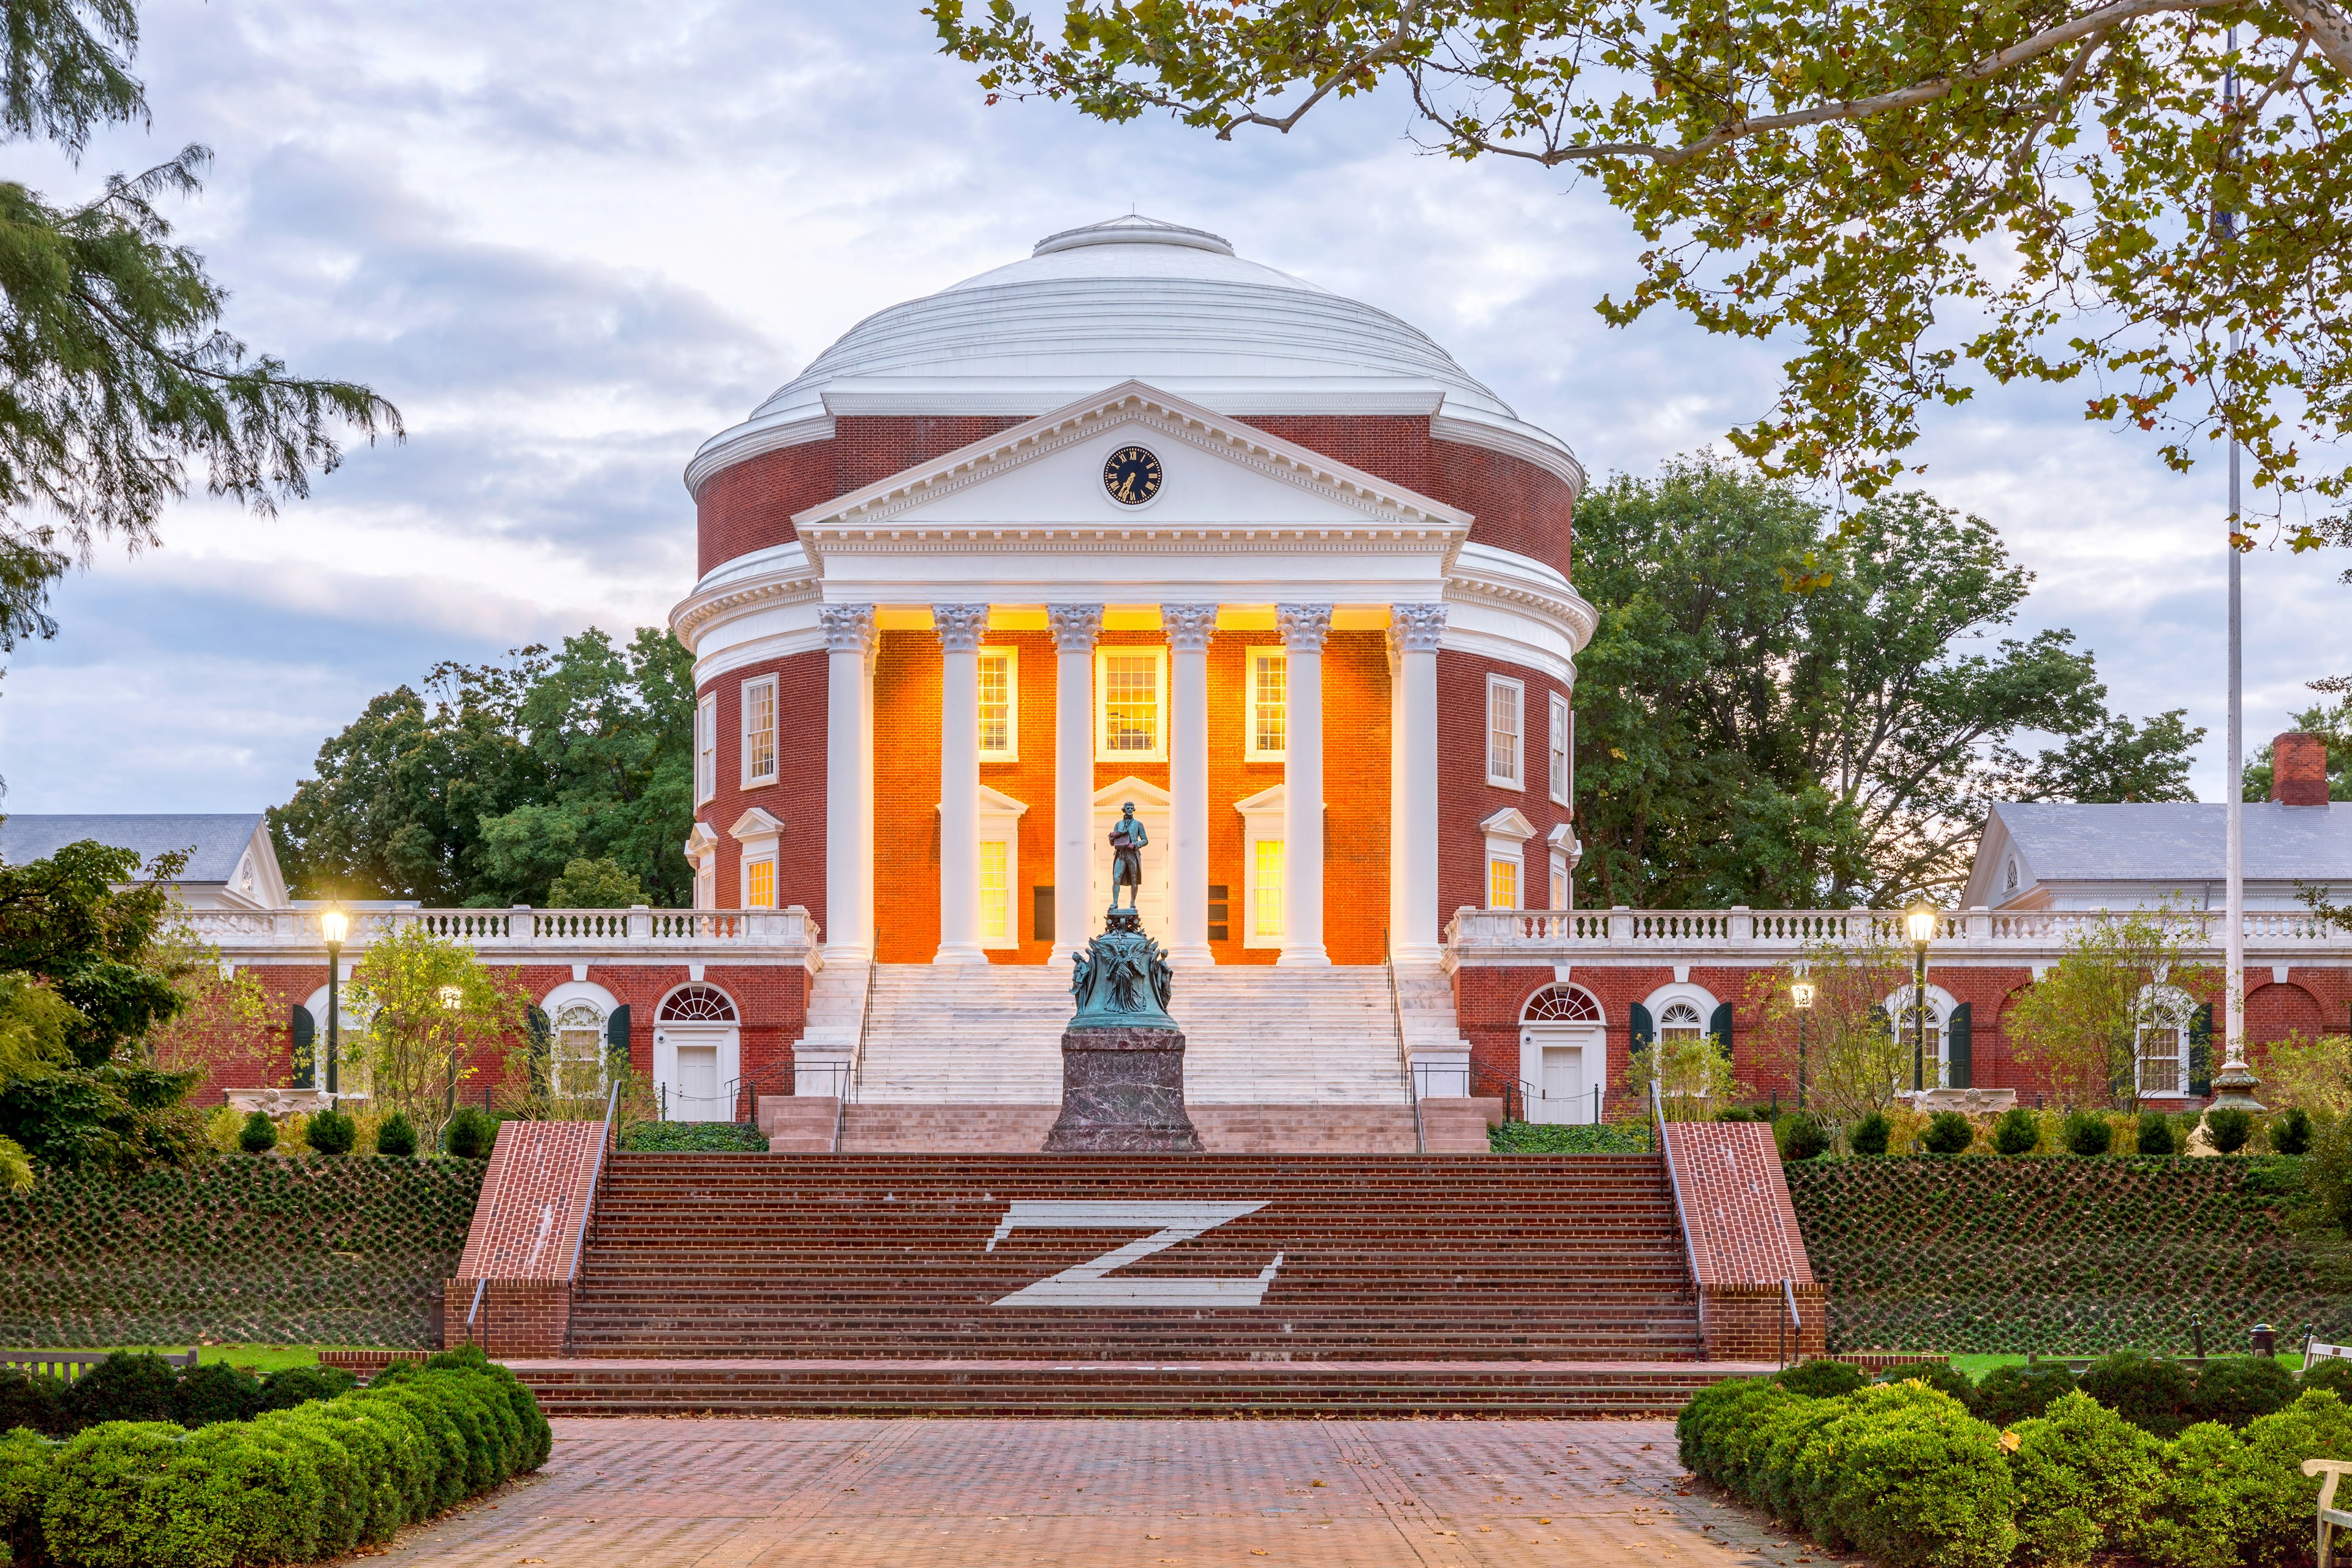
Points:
[(1135, 299)]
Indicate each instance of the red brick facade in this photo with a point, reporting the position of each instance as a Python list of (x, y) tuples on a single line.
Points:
[(1465, 798), (797, 799)]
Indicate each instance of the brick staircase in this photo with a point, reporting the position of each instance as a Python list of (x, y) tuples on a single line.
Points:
[(805, 1125), (1365, 1284)]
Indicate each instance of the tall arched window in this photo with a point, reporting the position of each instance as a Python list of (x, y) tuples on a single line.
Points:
[(578, 1065), (2162, 1016)]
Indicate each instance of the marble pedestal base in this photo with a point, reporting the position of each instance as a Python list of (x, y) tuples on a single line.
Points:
[(1123, 1093)]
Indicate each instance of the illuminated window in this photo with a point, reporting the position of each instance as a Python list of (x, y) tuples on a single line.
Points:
[(1132, 684), (1502, 884), (1268, 736), (706, 750), (1000, 700), (1506, 733), (995, 892), (760, 884), (760, 731), (1559, 733), (1558, 880), (1266, 890)]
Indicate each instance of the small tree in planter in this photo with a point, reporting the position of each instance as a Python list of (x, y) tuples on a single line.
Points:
[(430, 1004), (2084, 1023), (1853, 1063)]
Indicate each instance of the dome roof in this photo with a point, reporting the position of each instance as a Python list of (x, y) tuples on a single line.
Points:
[(1132, 298)]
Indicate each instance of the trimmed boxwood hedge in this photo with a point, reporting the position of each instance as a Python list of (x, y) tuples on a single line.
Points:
[(300, 1251), (2057, 1255), (293, 1486), (1906, 1474)]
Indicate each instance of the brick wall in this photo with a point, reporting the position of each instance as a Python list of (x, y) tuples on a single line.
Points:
[(749, 505), (1744, 1242), (527, 1223), (1519, 506), (1465, 798), (797, 799)]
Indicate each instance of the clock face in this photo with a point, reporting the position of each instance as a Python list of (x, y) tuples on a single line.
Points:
[(1131, 475)]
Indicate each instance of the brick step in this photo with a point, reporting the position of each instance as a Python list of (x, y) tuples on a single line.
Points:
[(1009, 1387)]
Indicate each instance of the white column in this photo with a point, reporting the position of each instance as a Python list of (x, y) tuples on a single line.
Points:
[(960, 627), (1303, 627), (1189, 629), (1075, 630), (848, 782), (1413, 634)]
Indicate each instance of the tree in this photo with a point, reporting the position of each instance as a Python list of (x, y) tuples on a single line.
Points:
[(594, 885), (430, 1004), (513, 772), (1917, 196), (1853, 1062), (2081, 1026), (1738, 744), (118, 373)]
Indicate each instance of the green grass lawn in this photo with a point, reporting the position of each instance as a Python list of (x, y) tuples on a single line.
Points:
[(1976, 1366), (260, 1358)]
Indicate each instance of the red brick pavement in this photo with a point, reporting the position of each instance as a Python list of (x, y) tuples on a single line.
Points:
[(1183, 1494)]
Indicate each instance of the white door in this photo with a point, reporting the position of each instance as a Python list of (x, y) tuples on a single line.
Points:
[(1563, 1085), (1561, 1065), (694, 1070)]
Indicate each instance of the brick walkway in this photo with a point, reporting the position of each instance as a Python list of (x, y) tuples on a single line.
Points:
[(1196, 1494)]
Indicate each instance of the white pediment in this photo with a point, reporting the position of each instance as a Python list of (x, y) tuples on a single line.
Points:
[(1221, 478), (756, 822), (1508, 823)]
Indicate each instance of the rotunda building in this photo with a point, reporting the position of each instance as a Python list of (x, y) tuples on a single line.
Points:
[(1133, 519)]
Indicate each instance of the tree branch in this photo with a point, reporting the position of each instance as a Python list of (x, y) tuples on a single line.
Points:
[(2325, 24), (1387, 48)]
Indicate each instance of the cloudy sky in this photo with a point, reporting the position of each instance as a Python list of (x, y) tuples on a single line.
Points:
[(571, 241)]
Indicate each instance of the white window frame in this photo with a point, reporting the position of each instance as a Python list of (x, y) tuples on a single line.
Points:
[(594, 997), (2163, 1005), (1558, 885), (757, 685), (1559, 740), (999, 823), (1159, 655), (1010, 750), (706, 750), (1941, 1005), (1506, 832), (1250, 750), (743, 876), (1262, 821), (761, 837), (1517, 778)]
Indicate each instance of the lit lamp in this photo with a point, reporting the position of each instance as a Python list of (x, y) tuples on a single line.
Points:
[(1919, 925), (335, 926), (1800, 997), (452, 998)]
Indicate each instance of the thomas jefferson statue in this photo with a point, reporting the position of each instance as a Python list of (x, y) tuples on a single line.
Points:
[(1127, 842)]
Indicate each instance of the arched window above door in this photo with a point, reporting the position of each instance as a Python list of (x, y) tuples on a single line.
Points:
[(696, 1004), (1561, 1003)]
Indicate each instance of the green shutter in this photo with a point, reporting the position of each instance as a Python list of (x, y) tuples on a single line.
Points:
[(1960, 1052), (303, 1032), (617, 1036), (2200, 1050), (1641, 1033), (1718, 1023), (542, 1042)]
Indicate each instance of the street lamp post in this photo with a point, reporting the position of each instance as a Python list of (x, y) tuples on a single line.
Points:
[(1919, 925), (1800, 996), (451, 997), (335, 926)]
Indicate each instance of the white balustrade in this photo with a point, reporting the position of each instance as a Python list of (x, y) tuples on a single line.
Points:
[(789, 935)]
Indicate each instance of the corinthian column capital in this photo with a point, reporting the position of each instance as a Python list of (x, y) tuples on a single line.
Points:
[(961, 626), (1189, 627), (849, 628), (1076, 626), (1416, 628), (1304, 626)]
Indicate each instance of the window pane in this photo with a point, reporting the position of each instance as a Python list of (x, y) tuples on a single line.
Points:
[(759, 885), (1502, 885), (2159, 1061), (759, 729), (705, 756), (1503, 732), (1265, 876), (995, 701), (994, 870), (1559, 888), (1269, 702), (1131, 703), (1559, 748)]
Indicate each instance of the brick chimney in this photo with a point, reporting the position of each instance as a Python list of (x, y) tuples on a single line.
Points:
[(2299, 769)]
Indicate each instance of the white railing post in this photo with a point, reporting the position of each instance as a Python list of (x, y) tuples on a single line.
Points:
[(1742, 925), (641, 922)]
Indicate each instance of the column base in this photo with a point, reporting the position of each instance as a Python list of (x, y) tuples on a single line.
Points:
[(1418, 957), (961, 952), (847, 953), (1198, 957), (1303, 958)]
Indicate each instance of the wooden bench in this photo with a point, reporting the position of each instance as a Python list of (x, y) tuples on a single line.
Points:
[(66, 1365), (2330, 1516), (2313, 1351)]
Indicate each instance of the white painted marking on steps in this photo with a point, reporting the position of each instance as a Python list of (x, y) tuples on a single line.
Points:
[(1085, 1285)]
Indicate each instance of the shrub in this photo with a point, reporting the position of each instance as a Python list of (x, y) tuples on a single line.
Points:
[(2333, 1374), (24, 1458), (2156, 1134), (1869, 1135), (2012, 1394), (2017, 1133), (471, 1133), (332, 1132), (397, 1136), (2229, 1126), (2235, 1389), (1941, 1376), (1715, 1430), (1740, 1113), (1910, 1477), (2149, 1392), (1772, 1452), (2290, 1131), (258, 1135), (292, 1385), (29, 1401), (2274, 1497), (1801, 1135), (217, 1391), (110, 1496), (2198, 1516), (122, 1387), (2084, 1478), (1948, 1132), (2086, 1134), (715, 1138), (1822, 1378)]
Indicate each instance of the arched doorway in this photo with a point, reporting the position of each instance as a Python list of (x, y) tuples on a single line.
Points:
[(1564, 1055), (697, 1054)]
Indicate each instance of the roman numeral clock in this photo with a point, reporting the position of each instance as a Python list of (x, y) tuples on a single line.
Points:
[(1131, 475)]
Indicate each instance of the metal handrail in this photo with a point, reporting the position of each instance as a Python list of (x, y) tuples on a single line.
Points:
[(864, 1022), (1404, 1053), (471, 1312), (1682, 1219), (587, 1215), (841, 1082), (1795, 1327)]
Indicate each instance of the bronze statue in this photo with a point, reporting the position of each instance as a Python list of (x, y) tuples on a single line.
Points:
[(1127, 842)]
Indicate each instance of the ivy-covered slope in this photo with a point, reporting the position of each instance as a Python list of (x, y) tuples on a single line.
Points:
[(327, 1251), (2058, 1256)]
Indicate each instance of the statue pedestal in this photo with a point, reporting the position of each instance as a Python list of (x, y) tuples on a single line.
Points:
[(1123, 1093)]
